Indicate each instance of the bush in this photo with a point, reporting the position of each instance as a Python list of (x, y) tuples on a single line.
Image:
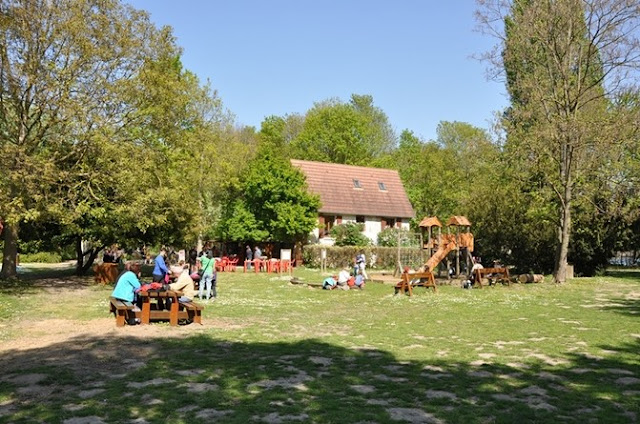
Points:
[(377, 257), (350, 234), (41, 257)]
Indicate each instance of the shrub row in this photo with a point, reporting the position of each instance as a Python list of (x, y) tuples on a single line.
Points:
[(41, 257), (377, 257)]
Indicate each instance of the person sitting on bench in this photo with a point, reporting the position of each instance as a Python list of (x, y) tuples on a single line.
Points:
[(125, 289), (185, 284)]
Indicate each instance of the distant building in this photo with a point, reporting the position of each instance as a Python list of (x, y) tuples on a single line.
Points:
[(373, 196)]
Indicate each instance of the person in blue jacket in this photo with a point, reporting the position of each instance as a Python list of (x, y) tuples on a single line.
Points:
[(160, 268), (127, 283), (126, 286)]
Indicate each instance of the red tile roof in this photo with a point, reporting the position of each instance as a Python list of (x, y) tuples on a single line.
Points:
[(334, 183)]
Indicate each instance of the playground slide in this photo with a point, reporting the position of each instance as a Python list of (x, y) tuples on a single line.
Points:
[(447, 246)]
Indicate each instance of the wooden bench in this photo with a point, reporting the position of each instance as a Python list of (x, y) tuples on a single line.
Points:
[(499, 274), (418, 279), (122, 310), (194, 311)]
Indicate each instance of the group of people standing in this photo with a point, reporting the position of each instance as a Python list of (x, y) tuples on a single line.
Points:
[(250, 255)]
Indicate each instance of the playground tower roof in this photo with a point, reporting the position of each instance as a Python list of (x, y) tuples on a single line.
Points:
[(459, 220), (431, 221)]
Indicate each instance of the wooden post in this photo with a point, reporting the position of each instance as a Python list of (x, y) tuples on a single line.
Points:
[(398, 270), (457, 251), (439, 244)]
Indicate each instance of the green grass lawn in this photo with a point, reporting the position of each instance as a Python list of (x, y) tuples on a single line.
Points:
[(274, 352)]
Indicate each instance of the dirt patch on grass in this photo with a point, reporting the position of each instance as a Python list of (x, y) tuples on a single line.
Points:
[(413, 415)]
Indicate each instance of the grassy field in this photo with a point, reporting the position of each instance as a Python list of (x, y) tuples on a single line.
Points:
[(274, 352)]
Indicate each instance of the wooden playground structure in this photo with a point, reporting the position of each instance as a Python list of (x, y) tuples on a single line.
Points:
[(459, 239)]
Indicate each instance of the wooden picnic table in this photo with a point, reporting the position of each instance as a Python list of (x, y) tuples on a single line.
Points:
[(106, 273), (419, 279), (154, 307), (500, 274)]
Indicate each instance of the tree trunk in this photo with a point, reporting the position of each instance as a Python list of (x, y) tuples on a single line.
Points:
[(10, 251), (83, 266), (93, 254), (79, 256), (564, 233)]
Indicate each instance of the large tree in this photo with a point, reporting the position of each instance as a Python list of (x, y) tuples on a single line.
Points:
[(565, 63), (353, 133), (272, 203), (64, 65)]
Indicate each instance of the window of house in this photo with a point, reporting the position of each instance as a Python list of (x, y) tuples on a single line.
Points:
[(388, 222), (356, 184), (381, 186), (360, 218)]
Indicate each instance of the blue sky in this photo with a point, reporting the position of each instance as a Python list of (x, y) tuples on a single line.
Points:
[(274, 57)]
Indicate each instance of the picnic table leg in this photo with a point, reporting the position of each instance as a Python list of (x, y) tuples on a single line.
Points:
[(146, 310), (173, 314)]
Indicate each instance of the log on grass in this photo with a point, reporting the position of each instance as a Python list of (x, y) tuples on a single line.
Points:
[(531, 278)]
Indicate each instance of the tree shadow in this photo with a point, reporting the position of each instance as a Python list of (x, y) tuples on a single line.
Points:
[(116, 378), (631, 274), (624, 306)]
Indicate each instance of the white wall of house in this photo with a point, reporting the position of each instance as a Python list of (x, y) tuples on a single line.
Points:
[(372, 226), (315, 234)]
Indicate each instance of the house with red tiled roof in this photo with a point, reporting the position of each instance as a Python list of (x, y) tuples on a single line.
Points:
[(373, 196)]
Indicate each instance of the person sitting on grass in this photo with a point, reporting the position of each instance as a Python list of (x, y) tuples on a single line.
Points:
[(329, 283), (343, 278), (185, 284), (125, 289), (359, 283)]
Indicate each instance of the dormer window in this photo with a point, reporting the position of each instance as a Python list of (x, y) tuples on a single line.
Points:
[(356, 184), (382, 187)]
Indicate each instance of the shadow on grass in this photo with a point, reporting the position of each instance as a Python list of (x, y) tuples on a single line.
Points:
[(201, 379), (624, 306), (631, 274)]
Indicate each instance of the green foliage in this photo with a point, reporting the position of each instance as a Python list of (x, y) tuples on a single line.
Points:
[(351, 133), (41, 257), (116, 135), (350, 234), (273, 204), (568, 124), (392, 237), (239, 224)]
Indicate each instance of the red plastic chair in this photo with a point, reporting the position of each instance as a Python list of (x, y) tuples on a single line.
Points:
[(285, 265), (232, 264), (273, 265), (221, 265)]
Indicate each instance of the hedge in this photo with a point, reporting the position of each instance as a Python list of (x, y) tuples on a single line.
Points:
[(41, 257), (377, 257)]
